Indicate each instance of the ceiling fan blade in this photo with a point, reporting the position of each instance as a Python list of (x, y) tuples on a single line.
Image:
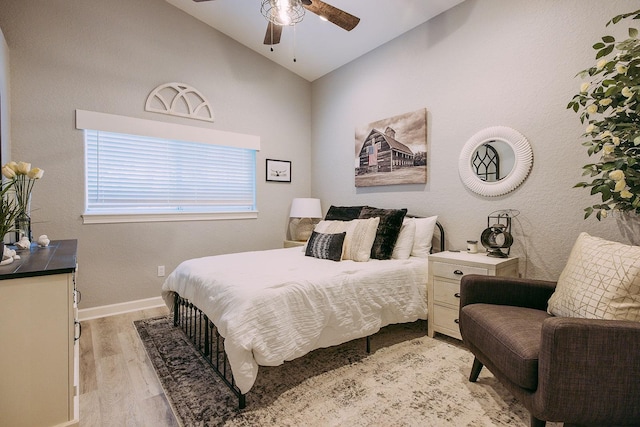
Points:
[(337, 16), (273, 34)]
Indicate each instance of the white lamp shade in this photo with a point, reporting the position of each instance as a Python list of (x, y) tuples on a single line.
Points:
[(305, 208)]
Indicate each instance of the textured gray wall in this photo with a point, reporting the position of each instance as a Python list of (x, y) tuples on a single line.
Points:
[(483, 63), (107, 56)]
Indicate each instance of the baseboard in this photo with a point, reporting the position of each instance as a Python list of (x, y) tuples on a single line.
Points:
[(124, 307)]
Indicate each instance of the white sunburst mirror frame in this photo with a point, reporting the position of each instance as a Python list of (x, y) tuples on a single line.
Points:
[(522, 163)]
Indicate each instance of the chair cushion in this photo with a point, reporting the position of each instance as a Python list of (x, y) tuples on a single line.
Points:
[(601, 280), (510, 336)]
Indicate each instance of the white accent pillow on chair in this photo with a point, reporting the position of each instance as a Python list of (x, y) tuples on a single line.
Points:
[(600, 281)]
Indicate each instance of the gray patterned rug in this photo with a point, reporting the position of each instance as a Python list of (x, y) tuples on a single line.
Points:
[(408, 379)]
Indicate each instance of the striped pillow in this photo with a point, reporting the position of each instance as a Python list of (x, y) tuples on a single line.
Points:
[(325, 246)]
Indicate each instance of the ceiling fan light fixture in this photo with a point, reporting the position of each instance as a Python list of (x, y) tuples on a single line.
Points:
[(282, 12)]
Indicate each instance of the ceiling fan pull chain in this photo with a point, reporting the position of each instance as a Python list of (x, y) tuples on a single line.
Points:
[(294, 43)]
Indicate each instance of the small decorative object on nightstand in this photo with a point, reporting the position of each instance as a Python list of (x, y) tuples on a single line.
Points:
[(443, 290), (497, 236)]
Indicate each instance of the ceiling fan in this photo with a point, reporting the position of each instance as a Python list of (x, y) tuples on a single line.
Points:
[(289, 12)]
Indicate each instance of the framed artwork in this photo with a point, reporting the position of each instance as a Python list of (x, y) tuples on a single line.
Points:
[(392, 151), (278, 170)]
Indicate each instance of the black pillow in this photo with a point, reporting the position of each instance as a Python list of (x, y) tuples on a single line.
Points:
[(343, 213), (388, 229), (325, 246)]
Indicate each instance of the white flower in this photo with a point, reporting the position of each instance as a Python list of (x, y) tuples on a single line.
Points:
[(13, 166), (8, 172), (23, 168), (603, 213), (584, 87), (592, 128), (620, 185), (591, 109), (626, 92), (616, 175), (626, 194), (605, 102), (35, 173), (600, 65), (621, 69), (615, 140), (608, 149)]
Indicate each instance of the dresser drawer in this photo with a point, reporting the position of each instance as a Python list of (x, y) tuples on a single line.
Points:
[(456, 271), (446, 292), (446, 321)]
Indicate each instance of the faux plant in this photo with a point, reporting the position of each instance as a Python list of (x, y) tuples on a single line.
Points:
[(23, 177), (9, 210), (609, 106)]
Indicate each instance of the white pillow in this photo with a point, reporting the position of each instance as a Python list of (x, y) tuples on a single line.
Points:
[(359, 239), (424, 236), (404, 244), (600, 281)]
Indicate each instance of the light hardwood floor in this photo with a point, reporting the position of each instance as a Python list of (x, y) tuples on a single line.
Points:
[(118, 386)]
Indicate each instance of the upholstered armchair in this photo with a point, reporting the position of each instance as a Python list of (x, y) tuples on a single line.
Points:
[(572, 370)]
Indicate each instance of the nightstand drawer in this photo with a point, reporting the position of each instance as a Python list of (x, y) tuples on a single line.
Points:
[(446, 292), (446, 320), (456, 271)]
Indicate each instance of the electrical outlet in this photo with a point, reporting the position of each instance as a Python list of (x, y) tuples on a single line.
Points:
[(161, 271)]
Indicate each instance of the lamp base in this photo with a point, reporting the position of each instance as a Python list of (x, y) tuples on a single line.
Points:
[(301, 228)]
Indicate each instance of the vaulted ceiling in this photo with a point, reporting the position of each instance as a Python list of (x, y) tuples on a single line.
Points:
[(319, 47)]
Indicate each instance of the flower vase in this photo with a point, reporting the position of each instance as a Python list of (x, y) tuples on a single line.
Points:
[(629, 226), (23, 226), (23, 221)]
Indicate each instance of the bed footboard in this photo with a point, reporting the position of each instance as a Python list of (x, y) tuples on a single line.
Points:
[(204, 335)]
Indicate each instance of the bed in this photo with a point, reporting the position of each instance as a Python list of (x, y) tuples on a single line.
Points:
[(256, 308)]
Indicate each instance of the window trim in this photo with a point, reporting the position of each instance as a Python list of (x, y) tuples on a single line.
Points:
[(129, 125)]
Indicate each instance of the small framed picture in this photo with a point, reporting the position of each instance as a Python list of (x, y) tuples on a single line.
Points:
[(278, 170)]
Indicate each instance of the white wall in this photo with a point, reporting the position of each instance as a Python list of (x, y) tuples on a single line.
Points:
[(483, 63), (107, 56)]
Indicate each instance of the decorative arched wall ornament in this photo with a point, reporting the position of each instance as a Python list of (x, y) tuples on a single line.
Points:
[(179, 99), (523, 160)]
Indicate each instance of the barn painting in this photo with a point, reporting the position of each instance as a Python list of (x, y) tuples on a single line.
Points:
[(392, 151)]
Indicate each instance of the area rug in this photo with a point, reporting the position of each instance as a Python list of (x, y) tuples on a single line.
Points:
[(408, 379)]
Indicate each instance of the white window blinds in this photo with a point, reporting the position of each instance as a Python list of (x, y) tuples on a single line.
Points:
[(131, 174)]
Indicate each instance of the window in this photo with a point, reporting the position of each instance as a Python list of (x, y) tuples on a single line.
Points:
[(135, 177)]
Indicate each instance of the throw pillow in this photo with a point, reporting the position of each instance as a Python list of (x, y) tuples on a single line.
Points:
[(423, 238), (325, 246), (359, 239), (360, 236), (388, 230), (600, 281), (404, 244), (343, 213)]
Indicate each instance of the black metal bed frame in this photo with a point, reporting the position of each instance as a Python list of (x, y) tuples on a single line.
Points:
[(204, 336)]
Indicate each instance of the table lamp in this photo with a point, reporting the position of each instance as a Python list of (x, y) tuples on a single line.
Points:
[(303, 215)]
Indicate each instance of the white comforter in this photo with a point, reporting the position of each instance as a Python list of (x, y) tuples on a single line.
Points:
[(277, 305)]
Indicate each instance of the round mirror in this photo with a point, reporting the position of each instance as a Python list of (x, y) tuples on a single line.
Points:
[(495, 161)]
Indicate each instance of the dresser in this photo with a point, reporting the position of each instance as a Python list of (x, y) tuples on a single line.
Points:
[(39, 335), (443, 288)]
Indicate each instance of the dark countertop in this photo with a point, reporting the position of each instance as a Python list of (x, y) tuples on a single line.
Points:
[(57, 258)]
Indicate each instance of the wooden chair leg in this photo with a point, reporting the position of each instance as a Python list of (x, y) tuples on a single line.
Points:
[(537, 423), (475, 370)]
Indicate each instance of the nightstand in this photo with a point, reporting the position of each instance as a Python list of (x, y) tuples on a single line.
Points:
[(443, 289), (292, 243)]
